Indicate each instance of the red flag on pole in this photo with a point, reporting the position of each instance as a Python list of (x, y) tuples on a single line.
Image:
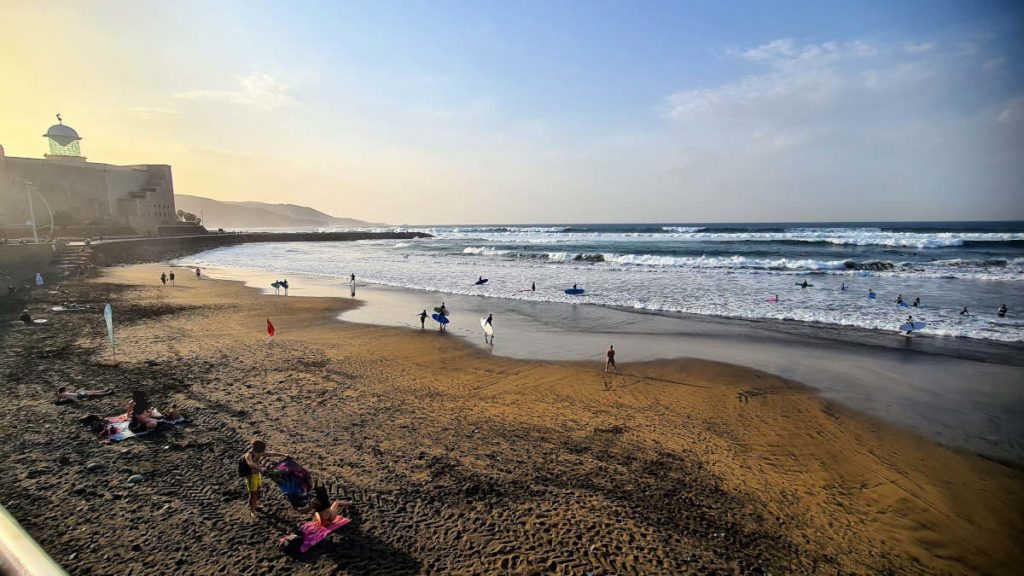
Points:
[(270, 328)]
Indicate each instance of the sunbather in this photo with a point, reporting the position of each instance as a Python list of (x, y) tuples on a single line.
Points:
[(141, 414), (325, 512), (63, 396)]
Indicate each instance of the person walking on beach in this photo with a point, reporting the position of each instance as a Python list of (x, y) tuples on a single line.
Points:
[(198, 273), (610, 360), (284, 284), (443, 310), (423, 319), (171, 277), (490, 317), (163, 279), (250, 464)]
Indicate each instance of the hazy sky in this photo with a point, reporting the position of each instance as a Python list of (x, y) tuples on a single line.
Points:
[(490, 112)]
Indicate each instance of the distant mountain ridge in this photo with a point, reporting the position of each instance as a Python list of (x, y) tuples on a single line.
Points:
[(221, 214)]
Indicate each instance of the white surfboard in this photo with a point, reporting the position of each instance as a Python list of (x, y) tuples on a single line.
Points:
[(488, 329)]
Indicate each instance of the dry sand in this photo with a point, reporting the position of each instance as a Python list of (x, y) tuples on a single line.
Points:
[(461, 462)]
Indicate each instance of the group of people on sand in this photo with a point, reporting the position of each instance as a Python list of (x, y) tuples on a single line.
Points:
[(141, 415), (165, 277), (278, 284), (324, 511)]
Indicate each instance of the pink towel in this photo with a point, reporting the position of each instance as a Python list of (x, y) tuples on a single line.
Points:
[(313, 534)]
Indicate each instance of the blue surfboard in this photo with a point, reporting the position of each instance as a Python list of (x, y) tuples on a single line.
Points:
[(915, 326), (904, 304), (574, 291), (871, 296), (439, 318)]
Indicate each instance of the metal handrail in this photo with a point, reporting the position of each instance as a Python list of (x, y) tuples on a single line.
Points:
[(20, 555)]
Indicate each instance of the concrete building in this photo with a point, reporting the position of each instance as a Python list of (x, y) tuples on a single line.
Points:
[(139, 197)]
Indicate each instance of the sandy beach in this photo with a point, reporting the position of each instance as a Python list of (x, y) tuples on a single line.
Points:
[(460, 461)]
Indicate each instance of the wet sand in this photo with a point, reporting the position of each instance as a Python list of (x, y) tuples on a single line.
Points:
[(461, 461)]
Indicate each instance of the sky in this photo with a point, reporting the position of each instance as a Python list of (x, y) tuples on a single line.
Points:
[(540, 112)]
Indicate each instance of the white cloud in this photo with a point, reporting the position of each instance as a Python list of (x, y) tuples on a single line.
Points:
[(149, 112), (256, 89), (1012, 112), (918, 48)]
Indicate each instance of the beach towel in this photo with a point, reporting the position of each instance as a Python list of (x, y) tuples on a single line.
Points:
[(118, 426), (293, 480), (311, 534)]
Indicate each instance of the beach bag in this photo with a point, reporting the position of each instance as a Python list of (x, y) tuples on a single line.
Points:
[(292, 543)]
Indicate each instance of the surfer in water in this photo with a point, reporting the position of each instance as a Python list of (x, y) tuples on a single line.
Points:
[(899, 299), (1002, 311), (843, 287), (423, 319), (610, 361), (574, 287), (917, 302), (533, 286), (804, 285), (910, 322), (871, 293), (964, 312)]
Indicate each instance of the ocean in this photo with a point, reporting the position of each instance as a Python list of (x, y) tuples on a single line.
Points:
[(717, 270)]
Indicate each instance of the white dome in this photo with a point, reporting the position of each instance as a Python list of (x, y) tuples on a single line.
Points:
[(62, 134)]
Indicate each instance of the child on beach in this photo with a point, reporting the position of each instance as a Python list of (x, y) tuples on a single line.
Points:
[(611, 359), (257, 451), (64, 397), (325, 512)]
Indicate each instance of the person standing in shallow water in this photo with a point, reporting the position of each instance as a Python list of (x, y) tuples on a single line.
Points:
[(423, 319)]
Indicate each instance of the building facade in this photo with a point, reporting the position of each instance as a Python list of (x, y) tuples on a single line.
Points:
[(63, 183)]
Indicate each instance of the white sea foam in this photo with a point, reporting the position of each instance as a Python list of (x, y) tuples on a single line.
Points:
[(721, 285), (838, 236)]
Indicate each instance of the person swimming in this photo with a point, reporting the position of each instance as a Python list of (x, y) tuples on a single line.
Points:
[(1002, 311), (871, 293), (899, 299), (964, 312), (917, 302)]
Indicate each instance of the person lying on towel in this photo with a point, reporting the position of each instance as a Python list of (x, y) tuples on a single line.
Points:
[(65, 397)]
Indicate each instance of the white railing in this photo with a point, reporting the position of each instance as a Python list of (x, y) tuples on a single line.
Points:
[(19, 553)]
